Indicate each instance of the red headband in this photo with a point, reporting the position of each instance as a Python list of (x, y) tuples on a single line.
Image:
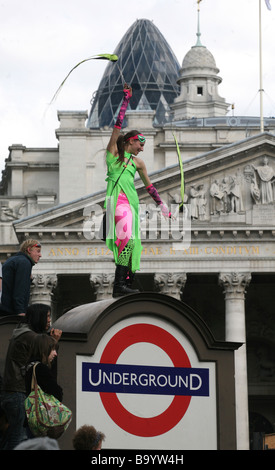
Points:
[(139, 137)]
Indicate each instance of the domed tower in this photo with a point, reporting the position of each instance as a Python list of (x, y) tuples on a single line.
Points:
[(199, 82), (147, 63)]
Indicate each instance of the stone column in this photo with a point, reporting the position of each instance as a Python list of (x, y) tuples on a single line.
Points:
[(103, 285), (42, 288), (16, 168), (171, 283), (235, 285), (73, 151)]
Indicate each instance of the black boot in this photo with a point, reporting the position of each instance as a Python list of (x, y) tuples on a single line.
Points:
[(120, 283), (130, 278)]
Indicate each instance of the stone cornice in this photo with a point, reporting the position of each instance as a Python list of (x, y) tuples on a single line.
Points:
[(32, 165), (72, 132), (198, 235)]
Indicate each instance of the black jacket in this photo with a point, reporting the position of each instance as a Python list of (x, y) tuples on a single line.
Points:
[(16, 283), (18, 354)]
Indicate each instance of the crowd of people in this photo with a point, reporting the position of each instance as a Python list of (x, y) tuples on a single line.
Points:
[(33, 341)]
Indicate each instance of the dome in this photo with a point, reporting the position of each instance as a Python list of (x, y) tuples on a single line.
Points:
[(147, 63), (199, 57), (198, 80)]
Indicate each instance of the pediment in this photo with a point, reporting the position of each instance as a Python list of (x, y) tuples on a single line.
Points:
[(233, 185)]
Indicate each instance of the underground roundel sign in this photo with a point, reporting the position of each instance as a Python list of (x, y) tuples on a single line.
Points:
[(180, 381)]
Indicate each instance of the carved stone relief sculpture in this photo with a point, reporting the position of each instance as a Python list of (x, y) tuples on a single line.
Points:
[(193, 195), (216, 196), (261, 179), (226, 195), (8, 213), (198, 202)]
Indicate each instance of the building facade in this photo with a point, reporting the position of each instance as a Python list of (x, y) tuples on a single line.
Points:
[(218, 257)]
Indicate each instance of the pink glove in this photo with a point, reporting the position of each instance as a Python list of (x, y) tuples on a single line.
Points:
[(155, 195), (121, 114)]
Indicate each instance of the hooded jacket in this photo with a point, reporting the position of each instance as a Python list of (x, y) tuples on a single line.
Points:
[(16, 283), (38, 443), (17, 357)]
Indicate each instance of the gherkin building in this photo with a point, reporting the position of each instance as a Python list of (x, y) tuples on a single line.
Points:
[(147, 63)]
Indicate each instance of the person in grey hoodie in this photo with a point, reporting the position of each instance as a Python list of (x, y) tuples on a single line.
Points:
[(38, 443), (14, 388)]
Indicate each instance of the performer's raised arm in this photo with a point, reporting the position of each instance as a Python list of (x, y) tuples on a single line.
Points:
[(112, 145)]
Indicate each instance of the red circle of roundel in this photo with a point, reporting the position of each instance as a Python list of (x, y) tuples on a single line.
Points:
[(162, 423)]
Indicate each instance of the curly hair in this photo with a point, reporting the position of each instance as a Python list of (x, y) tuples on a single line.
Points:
[(87, 438)]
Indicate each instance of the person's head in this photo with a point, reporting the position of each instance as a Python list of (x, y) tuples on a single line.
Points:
[(38, 317), (32, 248), (43, 349), (133, 142), (88, 438)]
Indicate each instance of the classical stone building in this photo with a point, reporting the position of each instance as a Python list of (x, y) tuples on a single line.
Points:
[(218, 256)]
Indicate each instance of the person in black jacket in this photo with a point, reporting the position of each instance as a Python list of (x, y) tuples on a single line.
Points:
[(16, 278), (14, 389), (43, 353)]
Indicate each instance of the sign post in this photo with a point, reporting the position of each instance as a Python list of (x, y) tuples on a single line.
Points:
[(149, 375)]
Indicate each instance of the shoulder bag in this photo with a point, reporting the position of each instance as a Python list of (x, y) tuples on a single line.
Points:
[(46, 415)]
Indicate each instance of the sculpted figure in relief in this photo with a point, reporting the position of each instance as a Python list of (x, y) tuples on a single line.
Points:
[(202, 202), (236, 199), (266, 175), (216, 195), (193, 194), (198, 202)]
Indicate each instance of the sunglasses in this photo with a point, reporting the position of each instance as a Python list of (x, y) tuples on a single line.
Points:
[(139, 137)]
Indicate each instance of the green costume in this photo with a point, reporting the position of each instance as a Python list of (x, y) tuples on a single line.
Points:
[(126, 184)]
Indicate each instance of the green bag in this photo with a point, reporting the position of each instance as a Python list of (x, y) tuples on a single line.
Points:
[(46, 415)]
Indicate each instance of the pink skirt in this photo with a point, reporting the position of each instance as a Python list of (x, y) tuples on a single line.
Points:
[(123, 222)]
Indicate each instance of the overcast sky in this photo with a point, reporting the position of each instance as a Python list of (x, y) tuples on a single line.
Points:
[(40, 41)]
